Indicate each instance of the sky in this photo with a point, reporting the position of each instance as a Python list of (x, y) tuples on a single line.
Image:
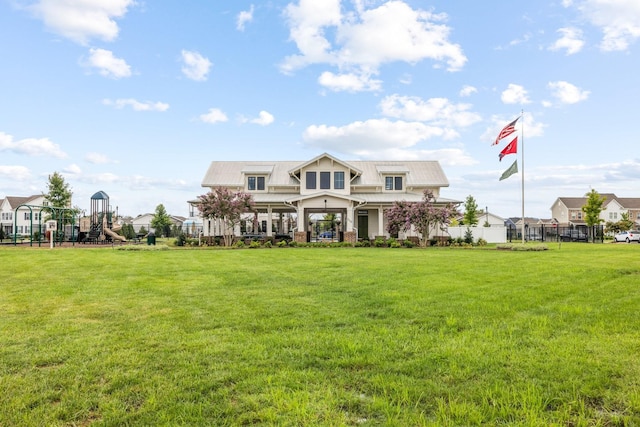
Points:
[(136, 98)]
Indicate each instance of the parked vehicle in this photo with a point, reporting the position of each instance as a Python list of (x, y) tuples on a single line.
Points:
[(627, 236), (327, 235), (573, 236)]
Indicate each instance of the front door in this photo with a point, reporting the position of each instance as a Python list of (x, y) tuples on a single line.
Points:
[(363, 226)]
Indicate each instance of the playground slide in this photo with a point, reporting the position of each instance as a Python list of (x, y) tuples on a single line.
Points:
[(114, 235)]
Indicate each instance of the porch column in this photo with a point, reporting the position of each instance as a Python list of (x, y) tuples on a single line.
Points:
[(269, 221), (380, 222), (302, 221), (348, 224)]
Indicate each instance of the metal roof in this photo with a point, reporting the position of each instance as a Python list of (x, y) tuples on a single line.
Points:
[(426, 173)]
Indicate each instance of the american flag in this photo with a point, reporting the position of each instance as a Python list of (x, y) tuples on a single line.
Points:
[(506, 131)]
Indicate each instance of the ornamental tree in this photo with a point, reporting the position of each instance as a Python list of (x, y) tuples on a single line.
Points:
[(226, 206), (161, 221), (470, 212), (422, 216), (592, 208)]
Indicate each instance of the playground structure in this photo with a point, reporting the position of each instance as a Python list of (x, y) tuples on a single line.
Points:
[(102, 226)]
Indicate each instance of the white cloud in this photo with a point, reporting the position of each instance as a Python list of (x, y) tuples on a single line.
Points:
[(363, 138), (619, 20), (72, 169), (264, 119), (196, 67), (365, 39), (467, 91), (13, 172), (107, 64), (214, 115), (137, 105), (97, 158), (571, 40), (438, 111), (244, 17), (349, 82), (31, 146), (515, 94), (567, 93), (83, 20)]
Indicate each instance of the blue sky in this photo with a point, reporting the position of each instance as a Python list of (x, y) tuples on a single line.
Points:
[(136, 98)]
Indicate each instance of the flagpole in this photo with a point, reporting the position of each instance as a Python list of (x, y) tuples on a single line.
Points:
[(522, 173)]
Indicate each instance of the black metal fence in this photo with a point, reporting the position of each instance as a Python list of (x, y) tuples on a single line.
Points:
[(553, 233)]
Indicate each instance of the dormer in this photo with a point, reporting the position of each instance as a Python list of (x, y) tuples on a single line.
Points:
[(256, 177), (394, 177)]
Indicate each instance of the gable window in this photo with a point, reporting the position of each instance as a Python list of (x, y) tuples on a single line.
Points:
[(393, 183), (255, 183), (325, 180), (311, 180), (338, 180)]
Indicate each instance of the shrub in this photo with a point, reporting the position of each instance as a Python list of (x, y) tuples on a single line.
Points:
[(393, 243), (408, 244), (254, 244), (268, 244), (292, 243), (282, 243), (521, 247), (482, 242), (379, 243), (181, 239), (468, 236), (240, 244)]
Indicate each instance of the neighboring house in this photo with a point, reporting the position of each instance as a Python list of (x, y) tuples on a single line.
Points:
[(309, 199), (490, 219), (144, 220), (568, 210), (490, 227), (26, 219)]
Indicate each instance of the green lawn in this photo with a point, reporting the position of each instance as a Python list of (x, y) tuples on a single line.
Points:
[(320, 336)]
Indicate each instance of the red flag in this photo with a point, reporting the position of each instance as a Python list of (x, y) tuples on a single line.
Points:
[(511, 148), (506, 131)]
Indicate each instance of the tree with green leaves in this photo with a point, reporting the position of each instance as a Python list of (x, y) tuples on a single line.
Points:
[(470, 217), (58, 199), (592, 209), (161, 221), (623, 225), (58, 193)]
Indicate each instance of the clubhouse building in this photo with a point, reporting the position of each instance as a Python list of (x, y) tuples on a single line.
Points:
[(324, 198)]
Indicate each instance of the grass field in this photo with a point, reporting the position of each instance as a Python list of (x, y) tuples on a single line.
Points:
[(321, 336)]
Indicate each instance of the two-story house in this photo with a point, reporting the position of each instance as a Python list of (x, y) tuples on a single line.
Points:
[(26, 219), (325, 196), (568, 210)]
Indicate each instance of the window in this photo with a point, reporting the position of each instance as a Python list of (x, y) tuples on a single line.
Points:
[(338, 180), (392, 183), (27, 216), (311, 180), (325, 180), (255, 183), (573, 215)]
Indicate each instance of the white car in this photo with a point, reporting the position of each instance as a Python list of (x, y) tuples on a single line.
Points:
[(627, 236)]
